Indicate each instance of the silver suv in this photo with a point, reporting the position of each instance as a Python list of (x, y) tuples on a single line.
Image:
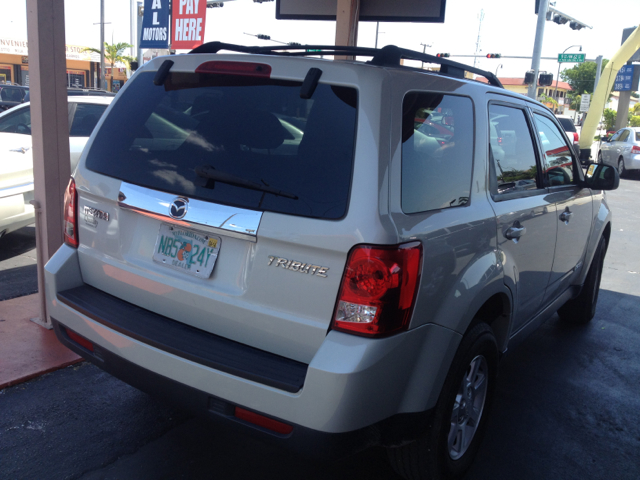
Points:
[(331, 253)]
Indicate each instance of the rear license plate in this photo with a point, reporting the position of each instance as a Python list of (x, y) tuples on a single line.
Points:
[(189, 251)]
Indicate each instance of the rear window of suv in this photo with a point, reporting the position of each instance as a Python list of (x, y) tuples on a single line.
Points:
[(226, 139), (567, 124)]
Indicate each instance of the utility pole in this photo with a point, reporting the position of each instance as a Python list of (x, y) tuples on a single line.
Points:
[(478, 40), (102, 86), (537, 48)]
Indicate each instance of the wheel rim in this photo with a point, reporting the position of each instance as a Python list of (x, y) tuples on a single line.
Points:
[(620, 167), (468, 407)]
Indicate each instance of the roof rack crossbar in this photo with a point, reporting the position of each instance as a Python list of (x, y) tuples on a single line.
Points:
[(386, 56)]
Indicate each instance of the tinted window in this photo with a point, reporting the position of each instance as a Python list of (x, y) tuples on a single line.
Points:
[(558, 164), (437, 151), (567, 124), (637, 136), (85, 119), (17, 122), (616, 136), (260, 130), (511, 148)]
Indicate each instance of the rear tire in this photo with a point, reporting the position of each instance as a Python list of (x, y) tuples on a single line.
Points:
[(621, 170), (582, 309), (459, 421)]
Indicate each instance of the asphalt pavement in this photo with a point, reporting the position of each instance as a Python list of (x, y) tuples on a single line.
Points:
[(566, 407)]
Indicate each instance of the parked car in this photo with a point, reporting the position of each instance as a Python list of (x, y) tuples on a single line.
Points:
[(73, 91), (622, 150), (571, 131), (16, 161), (358, 292), (12, 95)]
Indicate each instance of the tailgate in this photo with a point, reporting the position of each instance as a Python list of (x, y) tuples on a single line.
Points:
[(220, 203)]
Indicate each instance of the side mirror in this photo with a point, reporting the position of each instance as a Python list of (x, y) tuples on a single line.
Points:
[(602, 177)]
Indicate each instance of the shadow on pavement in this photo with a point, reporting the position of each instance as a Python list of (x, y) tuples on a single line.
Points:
[(18, 242)]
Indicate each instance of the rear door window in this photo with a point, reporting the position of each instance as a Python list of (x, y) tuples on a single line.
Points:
[(19, 121), (437, 151), (241, 141)]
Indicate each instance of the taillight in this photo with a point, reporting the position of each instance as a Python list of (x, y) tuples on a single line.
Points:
[(378, 289), (249, 69), (635, 149), (576, 137), (70, 225)]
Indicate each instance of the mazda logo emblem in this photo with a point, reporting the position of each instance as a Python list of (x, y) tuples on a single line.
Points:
[(178, 208)]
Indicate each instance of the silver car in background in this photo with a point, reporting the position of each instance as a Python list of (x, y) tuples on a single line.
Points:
[(622, 150)]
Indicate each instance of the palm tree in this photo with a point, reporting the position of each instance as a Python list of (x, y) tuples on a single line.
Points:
[(113, 54)]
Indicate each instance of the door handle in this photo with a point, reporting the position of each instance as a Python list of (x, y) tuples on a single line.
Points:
[(514, 233), (566, 216)]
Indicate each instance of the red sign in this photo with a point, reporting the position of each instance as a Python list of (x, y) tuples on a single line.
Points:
[(188, 19)]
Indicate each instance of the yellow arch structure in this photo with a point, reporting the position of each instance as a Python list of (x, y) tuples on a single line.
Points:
[(604, 86)]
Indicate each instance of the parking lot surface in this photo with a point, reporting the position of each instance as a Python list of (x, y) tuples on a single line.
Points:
[(566, 407)]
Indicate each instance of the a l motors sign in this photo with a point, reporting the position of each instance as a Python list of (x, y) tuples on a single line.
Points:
[(188, 17)]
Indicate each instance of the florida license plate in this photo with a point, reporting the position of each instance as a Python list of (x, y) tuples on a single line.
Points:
[(189, 251)]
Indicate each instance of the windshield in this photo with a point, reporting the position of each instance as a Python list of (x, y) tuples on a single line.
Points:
[(255, 129)]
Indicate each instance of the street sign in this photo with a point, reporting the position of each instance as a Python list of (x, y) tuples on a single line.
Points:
[(571, 57), (624, 79), (585, 100), (311, 50)]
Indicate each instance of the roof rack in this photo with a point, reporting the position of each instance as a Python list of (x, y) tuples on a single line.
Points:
[(385, 56)]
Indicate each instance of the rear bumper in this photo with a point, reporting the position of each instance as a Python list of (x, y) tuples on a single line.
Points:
[(358, 390), (395, 430)]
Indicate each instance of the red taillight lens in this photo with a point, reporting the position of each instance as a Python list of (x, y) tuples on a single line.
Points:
[(249, 69), (79, 340), (262, 421), (70, 225), (635, 149), (576, 137), (378, 289)]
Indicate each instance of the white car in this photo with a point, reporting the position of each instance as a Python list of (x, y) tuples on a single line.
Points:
[(16, 159)]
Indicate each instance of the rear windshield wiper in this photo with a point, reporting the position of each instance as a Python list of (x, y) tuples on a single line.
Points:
[(210, 173)]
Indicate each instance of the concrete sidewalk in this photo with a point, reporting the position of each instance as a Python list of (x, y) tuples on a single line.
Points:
[(28, 350)]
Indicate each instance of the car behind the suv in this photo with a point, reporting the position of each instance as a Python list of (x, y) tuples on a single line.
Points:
[(12, 95), (332, 254)]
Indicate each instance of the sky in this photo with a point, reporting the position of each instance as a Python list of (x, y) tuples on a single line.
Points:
[(508, 27)]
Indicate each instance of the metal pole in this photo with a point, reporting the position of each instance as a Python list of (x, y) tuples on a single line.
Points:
[(537, 48), (131, 34), (598, 71), (139, 54), (102, 44), (377, 27), (555, 93)]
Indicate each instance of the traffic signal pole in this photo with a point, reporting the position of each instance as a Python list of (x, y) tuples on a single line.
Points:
[(537, 48)]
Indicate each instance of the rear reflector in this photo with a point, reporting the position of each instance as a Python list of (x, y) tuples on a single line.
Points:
[(249, 69), (262, 421), (378, 289), (83, 342)]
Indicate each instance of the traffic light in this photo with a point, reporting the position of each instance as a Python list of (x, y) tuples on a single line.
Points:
[(443, 55), (528, 77), (545, 79), (263, 37), (560, 20), (576, 25), (293, 44), (493, 55)]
